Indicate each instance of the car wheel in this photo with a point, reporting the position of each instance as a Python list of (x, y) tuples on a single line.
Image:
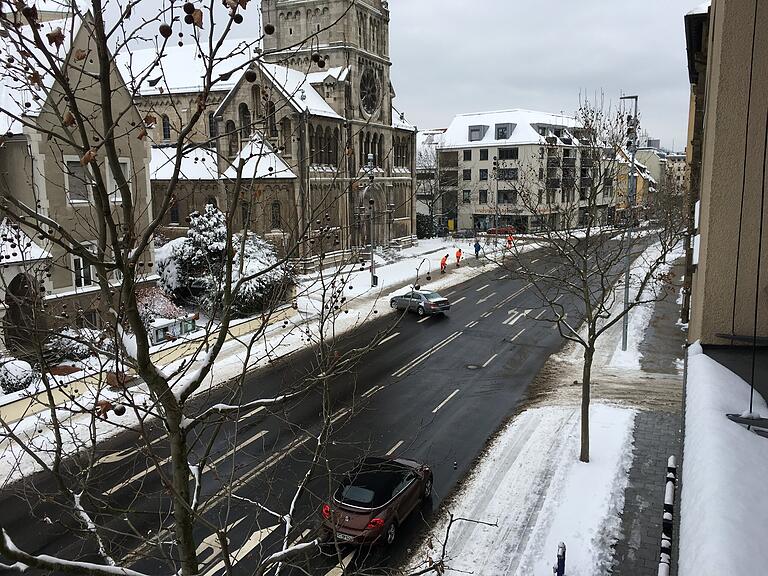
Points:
[(420, 310), (427, 489), (391, 534), (393, 304)]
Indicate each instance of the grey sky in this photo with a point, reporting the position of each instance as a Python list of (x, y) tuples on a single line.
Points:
[(456, 56)]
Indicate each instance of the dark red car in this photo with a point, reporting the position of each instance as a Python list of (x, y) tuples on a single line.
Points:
[(501, 230), (375, 498)]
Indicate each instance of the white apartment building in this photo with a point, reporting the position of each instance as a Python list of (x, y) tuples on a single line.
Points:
[(488, 159)]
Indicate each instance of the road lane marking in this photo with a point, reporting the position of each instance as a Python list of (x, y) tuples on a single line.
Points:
[(395, 447), (301, 537), (503, 277), (444, 402), (459, 300), (516, 335), (486, 315), (235, 557), (136, 476), (388, 338), (534, 261), (558, 298), (489, 360), (539, 315), (423, 356), (471, 324), (482, 288), (250, 440), (449, 293), (341, 567), (127, 452), (340, 415), (423, 319), (491, 295), (372, 391), (212, 543)]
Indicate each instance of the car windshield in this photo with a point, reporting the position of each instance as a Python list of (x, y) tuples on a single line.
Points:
[(432, 296)]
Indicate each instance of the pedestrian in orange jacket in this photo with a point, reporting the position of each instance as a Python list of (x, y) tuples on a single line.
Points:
[(443, 264), (510, 239), (458, 258)]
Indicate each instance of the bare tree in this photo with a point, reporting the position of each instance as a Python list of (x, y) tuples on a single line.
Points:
[(584, 228), (84, 112)]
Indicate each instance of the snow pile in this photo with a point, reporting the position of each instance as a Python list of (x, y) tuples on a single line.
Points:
[(532, 485), (724, 498)]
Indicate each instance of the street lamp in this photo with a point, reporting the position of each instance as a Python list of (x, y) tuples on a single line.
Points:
[(371, 208), (631, 193)]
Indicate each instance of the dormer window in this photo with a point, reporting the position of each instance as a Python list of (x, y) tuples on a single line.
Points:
[(477, 133), (503, 131), (542, 130)]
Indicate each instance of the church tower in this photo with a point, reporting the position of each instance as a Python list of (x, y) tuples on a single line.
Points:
[(345, 34)]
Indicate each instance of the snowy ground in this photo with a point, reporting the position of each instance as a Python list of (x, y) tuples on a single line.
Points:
[(530, 482), (278, 340), (724, 497)]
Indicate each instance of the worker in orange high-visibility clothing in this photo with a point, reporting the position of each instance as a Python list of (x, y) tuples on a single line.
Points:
[(510, 239), (458, 258), (443, 264)]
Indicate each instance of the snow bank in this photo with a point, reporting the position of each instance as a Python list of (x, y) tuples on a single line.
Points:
[(533, 486), (724, 497)]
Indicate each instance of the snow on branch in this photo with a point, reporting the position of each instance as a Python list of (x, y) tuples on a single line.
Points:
[(230, 408), (91, 527)]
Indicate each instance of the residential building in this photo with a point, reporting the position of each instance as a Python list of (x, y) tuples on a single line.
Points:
[(727, 45), (46, 172), (654, 160), (488, 159), (677, 170), (429, 201)]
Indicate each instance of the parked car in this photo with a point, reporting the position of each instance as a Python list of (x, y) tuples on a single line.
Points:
[(375, 498), (464, 234), (423, 302), (502, 230)]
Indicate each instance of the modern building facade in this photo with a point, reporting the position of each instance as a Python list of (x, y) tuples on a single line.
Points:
[(727, 44)]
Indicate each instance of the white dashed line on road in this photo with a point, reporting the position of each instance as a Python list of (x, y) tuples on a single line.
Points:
[(491, 295), (540, 314), (558, 298), (340, 568), (471, 324), (423, 356), (444, 402), (388, 338), (516, 335), (423, 319), (482, 288), (372, 391), (237, 447), (395, 447), (486, 315), (459, 300), (489, 360), (449, 293), (534, 261), (504, 277)]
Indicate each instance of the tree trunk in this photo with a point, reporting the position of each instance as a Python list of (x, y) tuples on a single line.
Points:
[(586, 380), (182, 513)]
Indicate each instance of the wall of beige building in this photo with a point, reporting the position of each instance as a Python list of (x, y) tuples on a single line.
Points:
[(724, 284)]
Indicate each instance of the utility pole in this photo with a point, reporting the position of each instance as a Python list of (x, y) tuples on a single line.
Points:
[(371, 208), (631, 194)]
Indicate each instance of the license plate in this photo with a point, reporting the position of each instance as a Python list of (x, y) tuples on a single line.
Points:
[(346, 537)]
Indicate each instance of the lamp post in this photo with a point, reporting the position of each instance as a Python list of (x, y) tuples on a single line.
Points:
[(631, 193), (371, 208)]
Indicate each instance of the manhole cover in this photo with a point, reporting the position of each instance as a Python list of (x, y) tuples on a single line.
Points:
[(472, 366)]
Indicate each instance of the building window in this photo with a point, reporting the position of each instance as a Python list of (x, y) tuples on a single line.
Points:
[(276, 220), (174, 213), (506, 197), (213, 130), (231, 129), (483, 174), (502, 132), (466, 197), (115, 195), (245, 120), (166, 127), (541, 173), (271, 120), (87, 319), (467, 155), (83, 272), (507, 153), (77, 182), (508, 173), (484, 154), (483, 196), (476, 133), (467, 174)]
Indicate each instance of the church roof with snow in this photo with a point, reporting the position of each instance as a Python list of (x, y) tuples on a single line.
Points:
[(16, 246)]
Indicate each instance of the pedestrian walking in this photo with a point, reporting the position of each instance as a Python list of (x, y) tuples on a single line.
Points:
[(458, 258), (443, 264), (477, 248), (510, 239)]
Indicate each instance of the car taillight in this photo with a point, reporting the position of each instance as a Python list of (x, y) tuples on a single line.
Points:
[(375, 524), (326, 511)]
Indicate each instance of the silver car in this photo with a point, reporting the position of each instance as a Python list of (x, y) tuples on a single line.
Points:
[(423, 302)]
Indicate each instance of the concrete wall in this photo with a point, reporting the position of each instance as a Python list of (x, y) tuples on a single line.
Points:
[(725, 281)]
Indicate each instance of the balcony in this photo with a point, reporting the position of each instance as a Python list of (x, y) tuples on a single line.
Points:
[(569, 162), (553, 162)]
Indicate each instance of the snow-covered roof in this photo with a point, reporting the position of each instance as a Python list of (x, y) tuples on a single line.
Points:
[(16, 246), (399, 121), (337, 74), (522, 127), (260, 161), (16, 92), (196, 164), (183, 68), (702, 8), (432, 137), (297, 87)]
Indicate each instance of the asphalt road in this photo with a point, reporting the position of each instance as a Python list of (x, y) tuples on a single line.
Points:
[(434, 391)]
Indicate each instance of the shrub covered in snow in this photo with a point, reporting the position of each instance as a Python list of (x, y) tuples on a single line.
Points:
[(72, 344), (15, 375), (154, 303), (192, 269)]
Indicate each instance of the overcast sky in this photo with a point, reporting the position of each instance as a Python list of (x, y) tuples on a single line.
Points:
[(455, 56)]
